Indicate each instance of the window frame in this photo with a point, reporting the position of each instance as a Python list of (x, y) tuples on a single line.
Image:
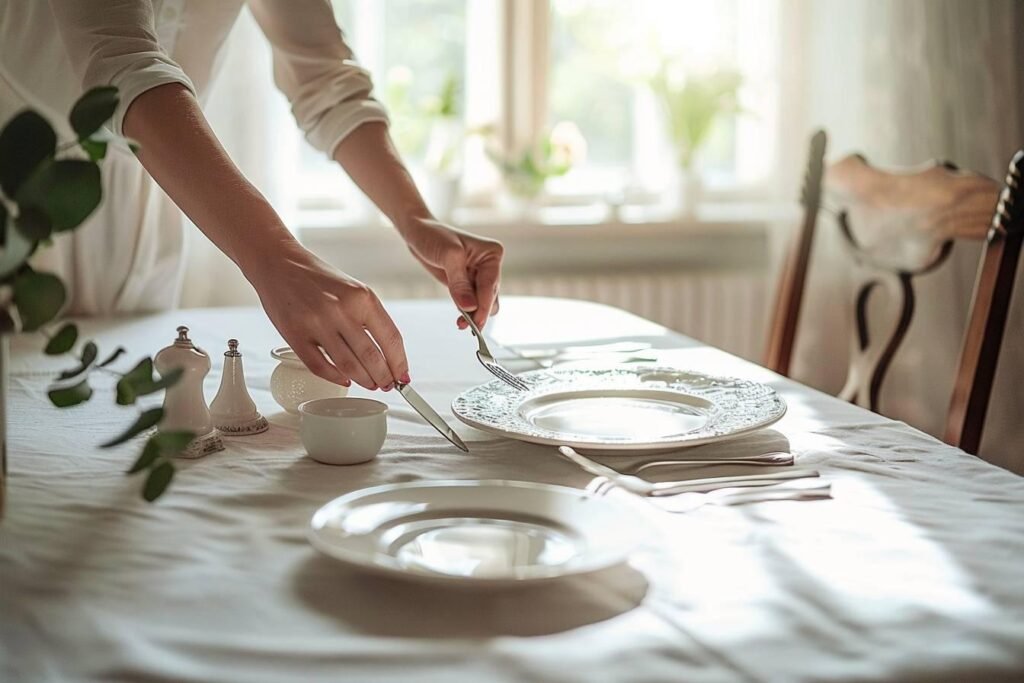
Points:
[(514, 100)]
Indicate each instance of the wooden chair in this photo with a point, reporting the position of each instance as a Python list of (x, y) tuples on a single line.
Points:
[(897, 226)]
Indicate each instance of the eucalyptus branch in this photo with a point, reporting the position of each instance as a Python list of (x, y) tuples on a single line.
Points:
[(43, 193)]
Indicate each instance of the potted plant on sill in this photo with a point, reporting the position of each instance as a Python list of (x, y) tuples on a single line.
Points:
[(526, 172), (431, 129), (693, 104), (47, 188)]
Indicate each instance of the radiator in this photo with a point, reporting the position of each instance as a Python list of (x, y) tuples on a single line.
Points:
[(724, 309)]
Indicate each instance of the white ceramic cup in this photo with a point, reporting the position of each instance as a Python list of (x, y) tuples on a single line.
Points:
[(291, 383), (343, 430)]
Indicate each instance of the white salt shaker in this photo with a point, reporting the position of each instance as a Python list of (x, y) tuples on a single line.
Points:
[(184, 404), (233, 410)]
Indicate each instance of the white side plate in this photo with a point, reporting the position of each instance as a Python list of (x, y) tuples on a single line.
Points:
[(621, 408), (478, 533)]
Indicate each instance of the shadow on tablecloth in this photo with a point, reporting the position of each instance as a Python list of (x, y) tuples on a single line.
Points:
[(384, 606)]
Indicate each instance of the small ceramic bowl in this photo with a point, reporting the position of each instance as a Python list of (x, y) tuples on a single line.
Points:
[(292, 383), (343, 431)]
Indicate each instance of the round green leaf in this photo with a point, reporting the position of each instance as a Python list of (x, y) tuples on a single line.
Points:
[(158, 480), (67, 396), (92, 110), (96, 149), (150, 452), (14, 253), (33, 223), (39, 298), (63, 341), (25, 141), (67, 190)]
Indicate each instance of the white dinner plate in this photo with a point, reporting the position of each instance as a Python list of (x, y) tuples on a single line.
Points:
[(621, 408), (478, 533)]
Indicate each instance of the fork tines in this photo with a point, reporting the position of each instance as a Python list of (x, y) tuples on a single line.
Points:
[(507, 377)]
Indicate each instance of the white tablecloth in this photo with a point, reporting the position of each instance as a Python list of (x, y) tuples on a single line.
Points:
[(915, 571)]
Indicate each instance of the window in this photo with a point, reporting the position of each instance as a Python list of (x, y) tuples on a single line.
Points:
[(516, 68)]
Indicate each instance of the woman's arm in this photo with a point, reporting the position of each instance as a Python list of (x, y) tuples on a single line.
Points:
[(312, 305), (332, 100), (469, 265)]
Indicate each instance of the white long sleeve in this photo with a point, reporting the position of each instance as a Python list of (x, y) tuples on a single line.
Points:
[(329, 93), (114, 42)]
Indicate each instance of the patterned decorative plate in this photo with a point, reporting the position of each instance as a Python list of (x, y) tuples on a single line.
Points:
[(621, 408)]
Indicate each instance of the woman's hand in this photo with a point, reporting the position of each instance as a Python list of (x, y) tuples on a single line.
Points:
[(468, 265), (335, 324)]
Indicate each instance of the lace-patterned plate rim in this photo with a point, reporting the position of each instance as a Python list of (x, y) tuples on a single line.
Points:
[(732, 406)]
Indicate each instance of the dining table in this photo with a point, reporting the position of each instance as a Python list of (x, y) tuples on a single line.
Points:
[(912, 571)]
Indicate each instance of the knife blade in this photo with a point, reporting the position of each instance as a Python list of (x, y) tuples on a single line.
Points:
[(420, 405)]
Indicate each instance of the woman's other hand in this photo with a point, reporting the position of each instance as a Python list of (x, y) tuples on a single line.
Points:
[(470, 266)]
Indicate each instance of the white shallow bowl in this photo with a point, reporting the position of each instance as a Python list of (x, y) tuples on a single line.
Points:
[(343, 431), (621, 408), (483, 533)]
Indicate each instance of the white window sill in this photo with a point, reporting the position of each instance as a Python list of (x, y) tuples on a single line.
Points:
[(732, 235)]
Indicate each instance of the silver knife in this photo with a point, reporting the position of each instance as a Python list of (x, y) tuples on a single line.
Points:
[(418, 404)]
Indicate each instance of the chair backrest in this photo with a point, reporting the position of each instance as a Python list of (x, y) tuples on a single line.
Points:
[(897, 226)]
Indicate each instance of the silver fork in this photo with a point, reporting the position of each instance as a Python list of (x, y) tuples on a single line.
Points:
[(642, 487), (803, 489), (486, 358), (775, 459)]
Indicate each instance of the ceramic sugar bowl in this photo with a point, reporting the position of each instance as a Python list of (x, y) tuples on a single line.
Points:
[(292, 382)]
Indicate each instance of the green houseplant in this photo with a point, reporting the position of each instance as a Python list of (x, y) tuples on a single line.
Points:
[(47, 188), (693, 104), (527, 171), (431, 131)]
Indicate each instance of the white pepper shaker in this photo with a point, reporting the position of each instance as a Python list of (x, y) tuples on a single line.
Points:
[(233, 410), (184, 403)]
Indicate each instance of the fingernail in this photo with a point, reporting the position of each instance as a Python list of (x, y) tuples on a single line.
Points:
[(389, 387), (404, 379)]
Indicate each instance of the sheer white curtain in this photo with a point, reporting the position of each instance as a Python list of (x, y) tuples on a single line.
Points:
[(252, 119), (904, 82)]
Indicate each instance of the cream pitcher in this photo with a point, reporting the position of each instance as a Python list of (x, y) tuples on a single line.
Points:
[(185, 406)]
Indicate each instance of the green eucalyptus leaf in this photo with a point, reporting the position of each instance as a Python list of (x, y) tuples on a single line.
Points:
[(72, 395), (112, 357), (15, 253), (63, 341), (96, 149), (150, 452), (173, 442), (25, 142), (39, 298), (3, 225), (33, 223), (67, 190), (168, 379), (158, 480), (140, 382), (92, 110), (146, 419), (161, 444), (141, 373), (89, 353)]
